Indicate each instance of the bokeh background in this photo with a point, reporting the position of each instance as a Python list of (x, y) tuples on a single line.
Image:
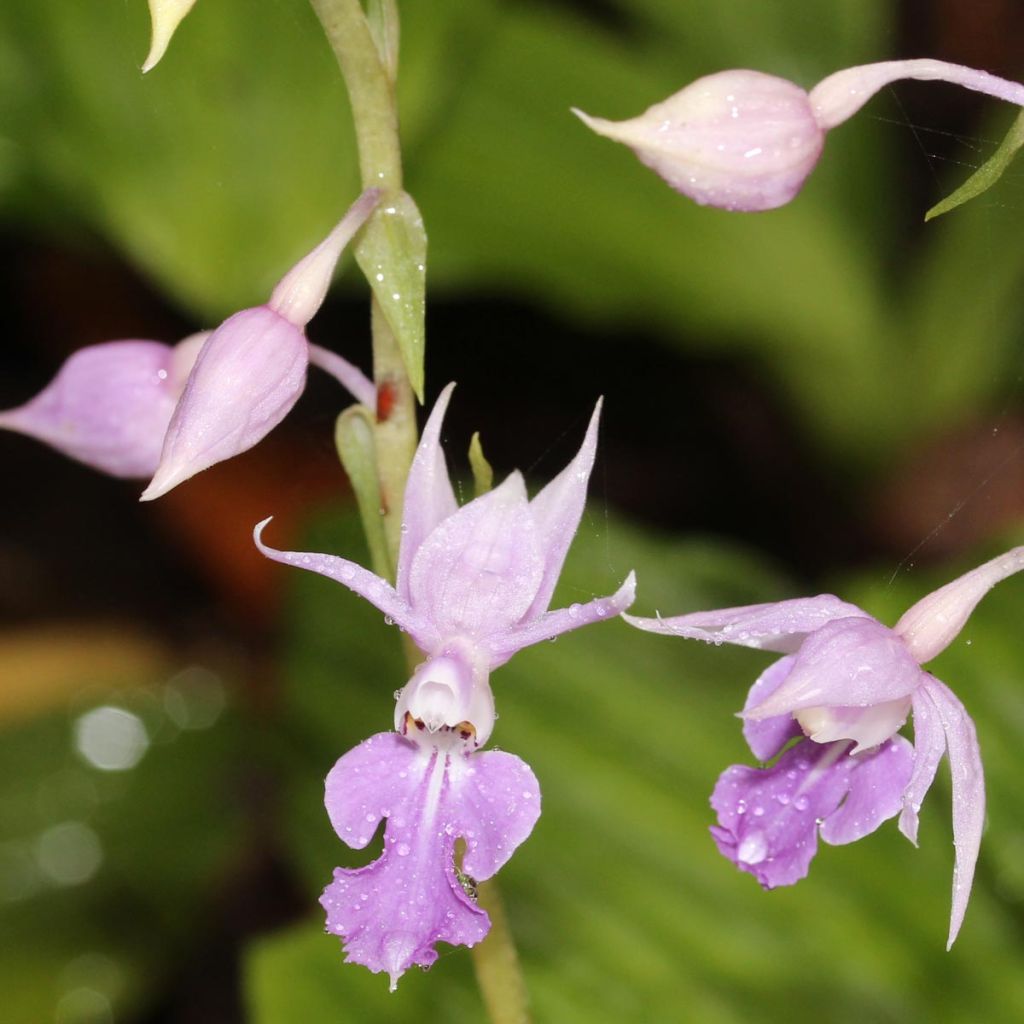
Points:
[(828, 396)]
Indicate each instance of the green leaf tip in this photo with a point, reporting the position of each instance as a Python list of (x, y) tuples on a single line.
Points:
[(354, 439), (986, 175), (483, 475), (392, 253)]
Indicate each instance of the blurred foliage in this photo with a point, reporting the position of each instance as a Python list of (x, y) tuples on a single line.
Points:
[(622, 907), (222, 166), (106, 876)]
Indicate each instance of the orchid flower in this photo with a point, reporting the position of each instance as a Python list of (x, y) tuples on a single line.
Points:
[(473, 588), (142, 408), (843, 689), (744, 140)]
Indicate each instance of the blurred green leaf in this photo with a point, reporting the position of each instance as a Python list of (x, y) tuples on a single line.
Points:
[(987, 174), (622, 907), (353, 437), (106, 876), (483, 475)]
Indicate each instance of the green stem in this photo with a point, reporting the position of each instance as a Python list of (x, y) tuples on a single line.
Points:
[(375, 115), (497, 964)]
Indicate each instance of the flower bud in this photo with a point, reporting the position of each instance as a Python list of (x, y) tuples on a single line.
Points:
[(109, 404), (739, 140)]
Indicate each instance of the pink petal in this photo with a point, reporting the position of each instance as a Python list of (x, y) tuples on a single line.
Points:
[(929, 746), (557, 509), (108, 407), (854, 662), (360, 581), (769, 735), (392, 913), (551, 624), (842, 94), (932, 624), (350, 377), (968, 779), (249, 374), (429, 498), (877, 781), (778, 626), (478, 571)]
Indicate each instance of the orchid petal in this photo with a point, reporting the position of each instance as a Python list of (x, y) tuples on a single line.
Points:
[(564, 620), (842, 94), (557, 509), (391, 913), (360, 581), (247, 377), (877, 780), (847, 663), (778, 626), (929, 746), (166, 16), (968, 779), (429, 498), (769, 735), (108, 406), (767, 817), (478, 571), (932, 624)]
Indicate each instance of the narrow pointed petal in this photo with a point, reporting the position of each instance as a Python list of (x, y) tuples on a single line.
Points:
[(392, 913), (359, 580), (932, 624), (846, 663), (557, 509), (877, 781), (779, 626), (108, 406), (302, 290), (768, 736), (166, 16), (551, 624), (929, 746), (968, 779), (768, 817), (429, 498), (841, 95), (478, 571), (247, 377), (350, 377)]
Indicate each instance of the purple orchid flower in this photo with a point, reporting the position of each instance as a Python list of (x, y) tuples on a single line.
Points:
[(844, 688), (142, 408), (473, 588), (743, 140)]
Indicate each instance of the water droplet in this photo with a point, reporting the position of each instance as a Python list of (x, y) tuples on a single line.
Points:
[(800, 803), (753, 849), (403, 850)]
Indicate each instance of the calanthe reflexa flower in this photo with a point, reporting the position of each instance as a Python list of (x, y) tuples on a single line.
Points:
[(846, 684), (744, 140), (473, 588)]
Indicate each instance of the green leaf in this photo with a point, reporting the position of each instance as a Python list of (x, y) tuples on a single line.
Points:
[(354, 439), (986, 175), (483, 475), (392, 253)]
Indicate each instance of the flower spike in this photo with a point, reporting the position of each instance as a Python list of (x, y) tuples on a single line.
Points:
[(473, 588), (746, 141), (848, 684)]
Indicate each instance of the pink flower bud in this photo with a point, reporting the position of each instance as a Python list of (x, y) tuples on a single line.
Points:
[(743, 140), (738, 140), (109, 404)]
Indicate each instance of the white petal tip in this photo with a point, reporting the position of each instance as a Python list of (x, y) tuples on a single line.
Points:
[(257, 531)]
